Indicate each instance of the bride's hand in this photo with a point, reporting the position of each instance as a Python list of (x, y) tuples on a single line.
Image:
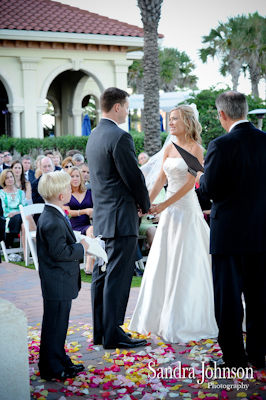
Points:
[(157, 208)]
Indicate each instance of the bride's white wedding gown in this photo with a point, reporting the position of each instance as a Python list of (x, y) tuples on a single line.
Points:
[(176, 295)]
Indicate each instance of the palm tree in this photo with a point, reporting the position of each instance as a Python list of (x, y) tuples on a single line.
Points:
[(255, 49), (176, 70), (225, 42), (135, 76), (150, 15), (240, 43)]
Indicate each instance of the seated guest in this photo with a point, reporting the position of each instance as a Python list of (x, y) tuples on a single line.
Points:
[(57, 159), (1, 161), (149, 224), (46, 165), (29, 173), (84, 168), (50, 154), (80, 209), (70, 153), (78, 159), (38, 171), (7, 159), (2, 226), (11, 198), (67, 163), (20, 181), (143, 158)]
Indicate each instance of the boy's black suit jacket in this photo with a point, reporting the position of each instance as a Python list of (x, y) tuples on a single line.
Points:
[(58, 255)]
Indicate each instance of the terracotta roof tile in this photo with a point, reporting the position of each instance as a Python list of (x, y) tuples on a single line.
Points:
[(48, 15)]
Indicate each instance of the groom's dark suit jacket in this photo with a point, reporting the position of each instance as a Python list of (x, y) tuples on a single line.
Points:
[(117, 184), (235, 179)]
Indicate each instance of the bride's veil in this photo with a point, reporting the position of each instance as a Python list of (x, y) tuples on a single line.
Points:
[(152, 168)]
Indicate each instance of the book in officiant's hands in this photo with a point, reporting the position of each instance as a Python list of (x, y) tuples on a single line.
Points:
[(192, 162)]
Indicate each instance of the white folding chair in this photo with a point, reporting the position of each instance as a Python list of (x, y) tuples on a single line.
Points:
[(14, 250), (30, 244)]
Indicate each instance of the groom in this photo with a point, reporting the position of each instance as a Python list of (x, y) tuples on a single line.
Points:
[(234, 178), (118, 190)]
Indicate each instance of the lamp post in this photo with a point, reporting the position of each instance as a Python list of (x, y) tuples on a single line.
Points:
[(260, 114)]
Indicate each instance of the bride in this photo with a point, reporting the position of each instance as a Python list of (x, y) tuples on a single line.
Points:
[(176, 295)]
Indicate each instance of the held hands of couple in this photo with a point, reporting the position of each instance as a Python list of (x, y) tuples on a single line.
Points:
[(157, 208)]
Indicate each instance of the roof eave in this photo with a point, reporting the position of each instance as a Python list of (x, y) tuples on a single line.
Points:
[(132, 42)]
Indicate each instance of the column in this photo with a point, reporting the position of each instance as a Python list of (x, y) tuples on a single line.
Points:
[(15, 111), (121, 70), (14, 376), (57, 122), (31, 127), (40, 108), (77, 121)]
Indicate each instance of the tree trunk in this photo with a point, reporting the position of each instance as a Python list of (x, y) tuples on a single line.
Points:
[(255, 74), (150, 15), (234, 68)]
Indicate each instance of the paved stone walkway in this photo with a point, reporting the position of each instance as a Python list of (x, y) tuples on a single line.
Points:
[(21, 286)]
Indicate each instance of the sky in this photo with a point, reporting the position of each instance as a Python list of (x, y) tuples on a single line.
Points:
[(183, 23)]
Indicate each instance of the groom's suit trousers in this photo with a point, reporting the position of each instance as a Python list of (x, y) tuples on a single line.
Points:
[(110, 289)]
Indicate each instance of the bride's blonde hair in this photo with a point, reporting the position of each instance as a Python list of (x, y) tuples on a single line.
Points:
[(192, 126)]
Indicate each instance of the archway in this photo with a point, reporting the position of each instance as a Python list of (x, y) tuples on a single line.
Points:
[(66, 92), (5, 120)]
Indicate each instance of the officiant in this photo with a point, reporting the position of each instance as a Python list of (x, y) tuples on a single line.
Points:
[(234, 178)]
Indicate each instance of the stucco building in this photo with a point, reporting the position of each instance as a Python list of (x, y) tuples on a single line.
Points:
[(50, 50)]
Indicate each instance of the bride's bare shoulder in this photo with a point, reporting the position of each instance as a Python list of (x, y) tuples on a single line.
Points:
[(168, 148), (197, 150)]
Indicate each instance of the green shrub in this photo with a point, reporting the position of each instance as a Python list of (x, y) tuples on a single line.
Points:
[(138, 138), (33, 147), (37, 146)]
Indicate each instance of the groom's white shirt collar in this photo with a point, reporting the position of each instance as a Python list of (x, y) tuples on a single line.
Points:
[(110, 120), (237, 122)]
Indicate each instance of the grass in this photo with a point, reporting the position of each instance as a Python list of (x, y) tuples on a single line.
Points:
[(136, 280)]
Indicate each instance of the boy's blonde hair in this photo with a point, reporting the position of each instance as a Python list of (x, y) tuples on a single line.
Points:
[(52, 184)]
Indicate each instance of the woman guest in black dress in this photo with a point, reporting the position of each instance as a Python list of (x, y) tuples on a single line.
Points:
[(80, 209)]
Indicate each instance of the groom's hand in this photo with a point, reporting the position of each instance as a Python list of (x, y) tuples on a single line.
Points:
[(140, 213)]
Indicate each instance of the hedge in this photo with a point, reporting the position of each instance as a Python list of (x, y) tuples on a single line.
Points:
[(33, 147)]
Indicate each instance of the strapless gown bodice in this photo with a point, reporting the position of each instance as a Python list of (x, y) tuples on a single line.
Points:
[(176, 171)]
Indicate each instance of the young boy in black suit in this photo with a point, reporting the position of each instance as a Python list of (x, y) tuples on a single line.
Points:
[(58, 255)]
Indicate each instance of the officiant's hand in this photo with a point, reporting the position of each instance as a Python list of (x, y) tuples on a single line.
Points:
[(199, 173)]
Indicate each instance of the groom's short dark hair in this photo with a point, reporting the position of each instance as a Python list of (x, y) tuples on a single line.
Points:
[(111, 96)]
